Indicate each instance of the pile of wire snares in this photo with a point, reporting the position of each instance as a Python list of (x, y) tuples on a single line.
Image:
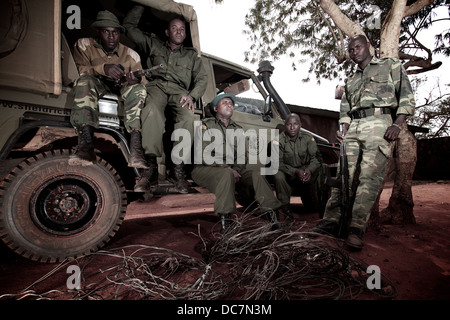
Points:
[(250, 260)]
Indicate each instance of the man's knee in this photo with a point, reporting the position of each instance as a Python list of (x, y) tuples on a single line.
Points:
[(86, 80), (226, 175), (279, 177)]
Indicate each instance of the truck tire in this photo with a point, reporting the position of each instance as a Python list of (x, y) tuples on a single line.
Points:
[(50, 211)]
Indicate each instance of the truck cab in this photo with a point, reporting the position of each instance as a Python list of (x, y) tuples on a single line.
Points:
[(49, 210)]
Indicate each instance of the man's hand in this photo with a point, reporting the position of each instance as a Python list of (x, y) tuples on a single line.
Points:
[(340, 135), (187, 101), (131, 79), (392, 133), (113, 71), (304, 175)]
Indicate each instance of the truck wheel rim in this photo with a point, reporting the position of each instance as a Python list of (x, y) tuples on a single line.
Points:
[(65, 205)]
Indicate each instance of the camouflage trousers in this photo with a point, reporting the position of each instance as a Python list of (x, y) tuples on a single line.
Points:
[(367, 149), (88, 89)]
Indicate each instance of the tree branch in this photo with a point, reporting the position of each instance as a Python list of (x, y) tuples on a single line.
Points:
[(424, 66), (441, 127), (390, 30), (342, 22), (349, 27), (341, 55), (416, 7)]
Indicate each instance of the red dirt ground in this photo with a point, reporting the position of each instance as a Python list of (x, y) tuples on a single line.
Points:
[(415, 257)]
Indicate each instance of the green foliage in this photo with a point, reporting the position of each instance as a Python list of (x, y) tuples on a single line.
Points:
[(303, 32)]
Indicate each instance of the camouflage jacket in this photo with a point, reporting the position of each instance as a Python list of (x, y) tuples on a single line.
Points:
[(382, 83), (182, 68), (90, 57), (301, 153)]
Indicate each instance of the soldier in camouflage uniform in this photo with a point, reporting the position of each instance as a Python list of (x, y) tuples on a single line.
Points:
[(102, 63), (299, 162), (176, 86), (223, 177), (378, 93)]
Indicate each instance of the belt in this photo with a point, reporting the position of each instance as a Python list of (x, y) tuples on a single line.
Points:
[(363, 113)]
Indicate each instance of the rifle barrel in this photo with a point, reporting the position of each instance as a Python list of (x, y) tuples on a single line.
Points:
[(344, 194)]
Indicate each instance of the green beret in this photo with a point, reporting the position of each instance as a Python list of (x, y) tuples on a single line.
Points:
[(106, 19), (219, 97)]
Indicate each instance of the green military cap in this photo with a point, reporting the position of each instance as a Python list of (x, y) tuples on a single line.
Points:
[(106, 19), (219, 97)]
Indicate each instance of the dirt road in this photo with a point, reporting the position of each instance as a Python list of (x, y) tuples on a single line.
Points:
[(416, 258)]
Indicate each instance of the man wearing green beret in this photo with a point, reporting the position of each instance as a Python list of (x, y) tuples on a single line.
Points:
[(175, 87), (222, 173), (106, 65)]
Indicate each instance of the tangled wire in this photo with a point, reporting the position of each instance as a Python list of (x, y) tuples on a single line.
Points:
[(249, 261)]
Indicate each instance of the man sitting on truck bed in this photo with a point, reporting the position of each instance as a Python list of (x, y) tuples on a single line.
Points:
[(105, 65), (299, 162), (176, 86)]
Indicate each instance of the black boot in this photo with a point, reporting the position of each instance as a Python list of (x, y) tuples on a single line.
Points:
[(84, 154), (326, 227), (285, 210), (355, 238), (272, 215), (137, 158), (148, 177), (180, 179)]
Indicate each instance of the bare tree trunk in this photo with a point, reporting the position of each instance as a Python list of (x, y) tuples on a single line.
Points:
[(401, 204), (401, 166), (390, 30)]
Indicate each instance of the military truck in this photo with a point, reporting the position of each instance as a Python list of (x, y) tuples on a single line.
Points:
[(50, 210)]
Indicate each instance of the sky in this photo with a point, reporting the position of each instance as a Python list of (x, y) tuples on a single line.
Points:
[(221, 34)]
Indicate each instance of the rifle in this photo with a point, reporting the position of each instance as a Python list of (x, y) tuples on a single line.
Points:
[(342, 183), (344, 195), (138, 73), (115, 84)]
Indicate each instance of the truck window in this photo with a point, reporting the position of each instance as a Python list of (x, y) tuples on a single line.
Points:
[(249, 105)]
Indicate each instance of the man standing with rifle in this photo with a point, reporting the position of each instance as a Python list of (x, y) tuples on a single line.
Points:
[(378, 93)]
